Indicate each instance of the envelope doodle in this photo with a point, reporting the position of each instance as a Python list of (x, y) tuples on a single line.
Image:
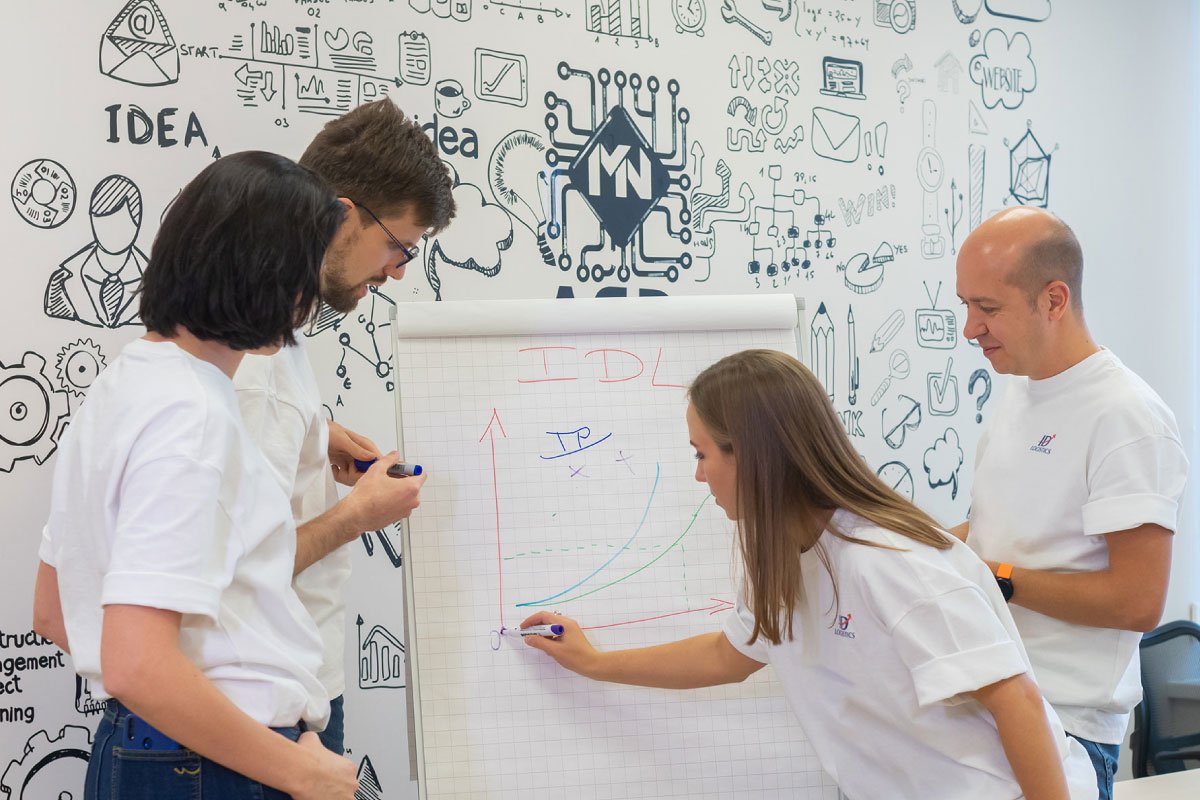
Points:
[(138, 47), (836, 135)]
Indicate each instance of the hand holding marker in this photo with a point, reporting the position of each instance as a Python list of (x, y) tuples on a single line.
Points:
[(535, 630), (399, 470)]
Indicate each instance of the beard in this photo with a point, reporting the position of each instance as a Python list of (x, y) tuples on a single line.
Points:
[(336, 291)]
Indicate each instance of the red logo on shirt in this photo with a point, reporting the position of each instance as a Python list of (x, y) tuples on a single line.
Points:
[(843, 626), (1043, 445)]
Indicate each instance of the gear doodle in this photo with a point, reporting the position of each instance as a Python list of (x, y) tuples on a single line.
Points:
[(50, 768), (79, 363), (32, 412)]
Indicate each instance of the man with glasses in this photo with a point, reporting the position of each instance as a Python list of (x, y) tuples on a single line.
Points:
[(396, 189)]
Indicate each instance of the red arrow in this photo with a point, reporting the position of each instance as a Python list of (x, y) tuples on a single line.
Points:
[(716, 608), (496, 502)]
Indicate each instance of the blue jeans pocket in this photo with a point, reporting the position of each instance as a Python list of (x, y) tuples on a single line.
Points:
[(155, 774)]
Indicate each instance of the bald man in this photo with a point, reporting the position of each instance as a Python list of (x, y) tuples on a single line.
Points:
[(1078, 478)]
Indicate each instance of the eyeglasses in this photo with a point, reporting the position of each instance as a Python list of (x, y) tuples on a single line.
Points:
[(409, 252)]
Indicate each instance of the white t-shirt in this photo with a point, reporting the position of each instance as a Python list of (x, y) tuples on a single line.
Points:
[(281, 406), (878, 680), (161, 499), (1092, 450)]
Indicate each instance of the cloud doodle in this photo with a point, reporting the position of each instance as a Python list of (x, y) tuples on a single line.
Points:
[(1004, 71)]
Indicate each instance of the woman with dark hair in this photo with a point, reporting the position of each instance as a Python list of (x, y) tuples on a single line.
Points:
[(890, 637), (168, 555)]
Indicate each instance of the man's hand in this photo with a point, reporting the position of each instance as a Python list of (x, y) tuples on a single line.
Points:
[(378, 499), (344, 447)]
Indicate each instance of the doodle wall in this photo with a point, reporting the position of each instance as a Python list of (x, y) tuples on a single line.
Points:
[(836, 150)]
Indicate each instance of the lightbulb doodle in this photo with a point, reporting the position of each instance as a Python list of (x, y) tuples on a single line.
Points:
[(610, 156)]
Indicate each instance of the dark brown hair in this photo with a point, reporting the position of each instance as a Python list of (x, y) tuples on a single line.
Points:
[(237, 258), (379, 158), (794, 465)]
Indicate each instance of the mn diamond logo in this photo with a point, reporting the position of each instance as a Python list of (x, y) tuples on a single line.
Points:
[(619, 176)]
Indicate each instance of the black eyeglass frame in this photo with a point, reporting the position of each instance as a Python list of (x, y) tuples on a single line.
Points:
[(410, 253)]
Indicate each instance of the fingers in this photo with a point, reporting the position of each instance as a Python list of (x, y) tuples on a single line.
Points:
[(365, 444)]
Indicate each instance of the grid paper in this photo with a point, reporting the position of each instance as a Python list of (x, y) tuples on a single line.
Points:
[(561, 478)]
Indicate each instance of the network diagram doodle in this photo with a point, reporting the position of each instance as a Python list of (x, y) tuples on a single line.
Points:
[(138, 47), (783, 237), (43, 192), (622, 173), (1029, 169), (33, 414), (49, 768), (97, 285), (313, 71)]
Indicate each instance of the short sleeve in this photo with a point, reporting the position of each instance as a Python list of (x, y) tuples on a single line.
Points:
[(1136, 484), (739, 626), (173, 545), (955, 643), (46, 549), (277, 427)]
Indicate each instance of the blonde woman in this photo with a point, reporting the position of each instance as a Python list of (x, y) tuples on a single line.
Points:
[(891, 638)]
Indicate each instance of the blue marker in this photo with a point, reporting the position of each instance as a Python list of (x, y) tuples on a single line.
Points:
[(400, 470), (536, 630)]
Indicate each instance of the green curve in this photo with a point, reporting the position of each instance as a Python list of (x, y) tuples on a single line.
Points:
[(695, 514)]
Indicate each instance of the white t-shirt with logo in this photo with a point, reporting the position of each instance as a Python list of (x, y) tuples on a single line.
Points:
[(161, 499), (879, 679), (1090, 451), (281, 406)]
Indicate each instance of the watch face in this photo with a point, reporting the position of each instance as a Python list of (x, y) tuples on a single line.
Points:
[(1006, 588), (689, 14), (929, 168)]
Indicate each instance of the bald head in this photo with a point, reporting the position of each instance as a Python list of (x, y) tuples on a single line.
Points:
[(1033, 247)]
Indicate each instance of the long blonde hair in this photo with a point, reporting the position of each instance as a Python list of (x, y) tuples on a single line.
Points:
[(795, 464)]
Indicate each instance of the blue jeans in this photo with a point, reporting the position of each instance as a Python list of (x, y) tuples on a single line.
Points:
[(334, 735), (119, 773), (1104, 761)]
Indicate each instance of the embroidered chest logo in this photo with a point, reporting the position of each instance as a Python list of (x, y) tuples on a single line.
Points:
[(1043, 445), (843, 626)]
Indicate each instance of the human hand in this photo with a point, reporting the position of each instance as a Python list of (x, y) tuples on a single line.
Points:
[(331, 776), (572, 650), (378, 499), (344, 447)]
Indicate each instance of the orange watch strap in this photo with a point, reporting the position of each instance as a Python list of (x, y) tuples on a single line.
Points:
[(1004, 571)]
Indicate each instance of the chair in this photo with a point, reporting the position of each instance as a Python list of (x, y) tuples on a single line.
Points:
[(1167, 722)]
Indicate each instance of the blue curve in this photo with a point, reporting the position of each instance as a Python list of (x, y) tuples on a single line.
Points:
[(624, 547)]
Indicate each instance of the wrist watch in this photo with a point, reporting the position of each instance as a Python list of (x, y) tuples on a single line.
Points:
[(1004, 580), (930, 175)]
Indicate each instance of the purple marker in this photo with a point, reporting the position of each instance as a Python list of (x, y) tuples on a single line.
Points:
[(536, 630)]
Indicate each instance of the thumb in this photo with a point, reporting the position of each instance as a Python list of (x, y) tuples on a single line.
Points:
[(386, 461)]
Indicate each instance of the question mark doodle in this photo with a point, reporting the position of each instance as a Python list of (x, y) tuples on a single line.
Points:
[(980, 375)]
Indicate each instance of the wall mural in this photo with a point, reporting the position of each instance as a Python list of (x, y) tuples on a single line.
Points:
[(837, 150)]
